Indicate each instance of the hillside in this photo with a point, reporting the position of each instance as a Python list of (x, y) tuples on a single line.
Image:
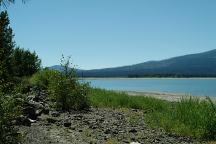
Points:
[(193, 65)]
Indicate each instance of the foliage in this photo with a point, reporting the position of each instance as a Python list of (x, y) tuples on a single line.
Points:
[(24, 62), (6, 48), (23, 85), (67, 91), (8, 111), (189, 117), (105, 98), (43, 78), (7, 2)]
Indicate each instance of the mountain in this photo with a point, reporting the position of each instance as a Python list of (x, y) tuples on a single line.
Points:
[(193, 65)]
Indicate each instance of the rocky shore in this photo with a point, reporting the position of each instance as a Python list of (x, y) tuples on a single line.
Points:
[(41, 124), (96, 126)]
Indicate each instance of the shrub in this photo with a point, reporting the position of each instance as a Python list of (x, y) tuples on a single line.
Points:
[(23, 85), (67, 92), (8, 111), (43, 78)]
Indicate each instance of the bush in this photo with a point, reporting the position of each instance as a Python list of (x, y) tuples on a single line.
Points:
[(67, 91), (8, 112), (23, 85), (43, 78)]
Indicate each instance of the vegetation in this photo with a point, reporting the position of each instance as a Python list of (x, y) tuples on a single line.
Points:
[(195, 65), (6, 49), (43, 78), (63, 87), (66, 91), (25, 63), (189, 117), (7, 2), (8, 111), (14, 65)]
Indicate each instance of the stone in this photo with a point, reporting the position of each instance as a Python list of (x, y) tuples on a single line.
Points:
[(30, 112), (67, 124), (45, 111), (107, 131), (51, 120), (133, 130), (55, 114), (23, 120)]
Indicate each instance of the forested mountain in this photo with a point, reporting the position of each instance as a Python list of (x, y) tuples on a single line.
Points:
[(193, 65)]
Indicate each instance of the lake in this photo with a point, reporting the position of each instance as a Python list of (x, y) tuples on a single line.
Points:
[(192, 86)]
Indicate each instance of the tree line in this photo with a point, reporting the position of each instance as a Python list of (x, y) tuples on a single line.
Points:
[(15, 62)]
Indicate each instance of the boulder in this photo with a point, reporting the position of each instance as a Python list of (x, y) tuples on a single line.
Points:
[(22, 120)]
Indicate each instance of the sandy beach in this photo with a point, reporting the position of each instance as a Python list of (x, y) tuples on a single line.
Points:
[(173, 97)]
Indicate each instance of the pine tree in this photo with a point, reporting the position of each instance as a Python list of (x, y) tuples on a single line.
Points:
[(6, 49), (7, 2), (24, 62)]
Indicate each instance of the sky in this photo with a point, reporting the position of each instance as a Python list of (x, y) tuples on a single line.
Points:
[(110, 33)]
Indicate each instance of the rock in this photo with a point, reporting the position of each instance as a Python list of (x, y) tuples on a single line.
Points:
[(51, 120), (45, 111), (107, 131), (39, 112), (55, 114), (125, 141), (38, 105), (30, 112), (67, 124), (23, 120), (32, 121), (133, 130), (115, 132)]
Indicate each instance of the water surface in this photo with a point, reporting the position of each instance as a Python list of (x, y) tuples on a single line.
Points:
[(195, 86)]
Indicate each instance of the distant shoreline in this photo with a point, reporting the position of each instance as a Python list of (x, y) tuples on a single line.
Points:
[(110, 78)]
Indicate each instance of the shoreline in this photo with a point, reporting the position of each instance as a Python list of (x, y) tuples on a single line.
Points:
[(125, 78), (172, 97)]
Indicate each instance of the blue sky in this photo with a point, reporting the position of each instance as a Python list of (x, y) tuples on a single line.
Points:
[(109, 33)]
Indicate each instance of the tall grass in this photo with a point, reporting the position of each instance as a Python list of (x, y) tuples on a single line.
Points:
[(189, 117), (105, 98)]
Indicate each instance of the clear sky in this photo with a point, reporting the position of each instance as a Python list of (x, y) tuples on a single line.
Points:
[(109, 33)]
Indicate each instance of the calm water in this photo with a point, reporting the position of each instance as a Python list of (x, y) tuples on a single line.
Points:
[(198, 87)]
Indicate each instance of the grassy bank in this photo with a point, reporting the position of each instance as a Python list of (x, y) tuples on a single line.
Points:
[(189, 117)]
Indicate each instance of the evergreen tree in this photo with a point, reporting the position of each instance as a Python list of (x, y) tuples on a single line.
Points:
[(6, 49), (24, 62), (7, 2)]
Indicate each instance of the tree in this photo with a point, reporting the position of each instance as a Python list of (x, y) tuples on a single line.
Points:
[(6, 49), (7, 2), (24, 62)]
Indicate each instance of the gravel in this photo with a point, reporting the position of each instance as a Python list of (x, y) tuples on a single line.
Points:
[(97, 126)]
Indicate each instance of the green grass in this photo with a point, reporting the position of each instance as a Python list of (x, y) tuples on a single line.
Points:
[(189, 117), (105, 98)]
